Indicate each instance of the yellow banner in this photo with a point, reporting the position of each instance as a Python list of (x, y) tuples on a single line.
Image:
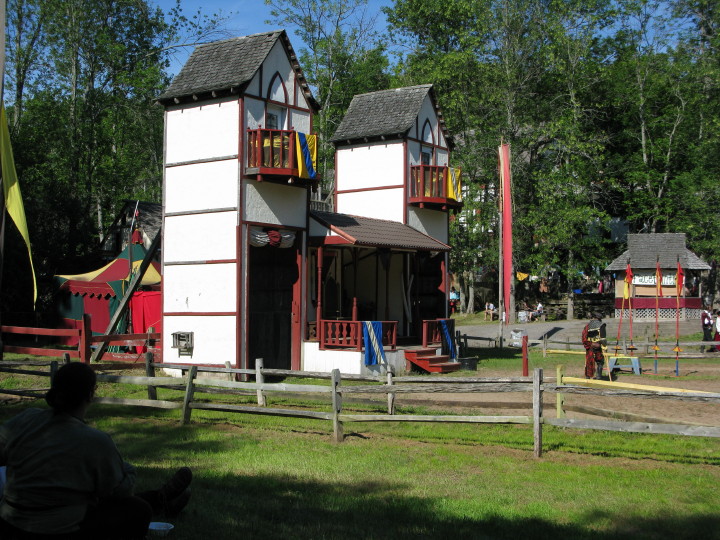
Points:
[(454, 187), (11, 190), (306, 146)]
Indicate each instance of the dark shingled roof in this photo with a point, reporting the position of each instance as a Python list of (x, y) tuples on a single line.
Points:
[(227, 66), (364, 231), (388, 113), (644, 250)]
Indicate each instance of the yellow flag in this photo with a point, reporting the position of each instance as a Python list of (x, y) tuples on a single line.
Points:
[(11, 190), (306, 146), (454, 187)]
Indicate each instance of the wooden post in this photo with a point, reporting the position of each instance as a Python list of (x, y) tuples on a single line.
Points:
[(537, 411), (150, 372), (231, 376), (53, 370), (567, 343), (189, 391), (85, 335), (260, 379), (525, 367), (544, 345), (391, 395), (336, 405), (559, 397), (647, 344), (66, 358)]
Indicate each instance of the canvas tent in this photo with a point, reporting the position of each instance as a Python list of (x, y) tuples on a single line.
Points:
[(98, 293)]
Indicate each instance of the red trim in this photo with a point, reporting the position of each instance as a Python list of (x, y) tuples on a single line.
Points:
[(337, 177), (199, 314), (274, 225), (238, 285), (288, 105), (648, 302), (297, 305), (435, 146), (245, 301), (406, 181), (397, 186)]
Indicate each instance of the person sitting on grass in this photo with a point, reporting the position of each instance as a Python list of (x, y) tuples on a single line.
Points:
[(67, 480), (489, 311)]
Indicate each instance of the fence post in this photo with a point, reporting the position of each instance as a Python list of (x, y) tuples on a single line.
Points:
[(525, 356), (391, 395), (537, 411), (544, 345), (85, 335), (260, 379), (228, 365), (336, 406), (567, 343), (53, 370), (150, 372), (559, 397), (189, 391), (647, 344), (66, 358)]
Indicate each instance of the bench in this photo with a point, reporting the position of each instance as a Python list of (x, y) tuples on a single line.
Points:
[(634, 363)]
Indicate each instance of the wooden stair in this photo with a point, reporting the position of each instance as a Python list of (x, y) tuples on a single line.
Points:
[(427, 360)]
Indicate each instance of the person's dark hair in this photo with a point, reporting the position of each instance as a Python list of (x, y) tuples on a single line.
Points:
[(73, 385)]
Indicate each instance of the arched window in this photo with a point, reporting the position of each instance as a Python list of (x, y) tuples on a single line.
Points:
[(276, 115), (427, 149)]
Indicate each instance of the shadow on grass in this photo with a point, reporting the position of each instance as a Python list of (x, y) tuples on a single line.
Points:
[(267, 506)]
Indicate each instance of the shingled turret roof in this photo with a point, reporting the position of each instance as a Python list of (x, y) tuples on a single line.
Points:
[(227, 67), (645, 250), (387, 113)]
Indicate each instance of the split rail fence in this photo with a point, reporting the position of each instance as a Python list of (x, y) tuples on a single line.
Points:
[(215, 380), (86, 341)]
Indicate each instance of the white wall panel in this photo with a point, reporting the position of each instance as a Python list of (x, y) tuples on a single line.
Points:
[(274, 203), (200, 288), (201, 186), (370, 165), (200, 237), (384, 204), (214, 339), (348, 362), (254, 113), (300, 121), (431, 222), (202, 131), (441, 156)]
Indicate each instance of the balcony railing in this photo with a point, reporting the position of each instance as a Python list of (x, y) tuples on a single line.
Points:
[(435, 185), (271, 151), (349, 335), (432, 331)]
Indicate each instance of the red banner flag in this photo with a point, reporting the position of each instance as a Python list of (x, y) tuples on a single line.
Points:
[(507, 240), (679, 280)]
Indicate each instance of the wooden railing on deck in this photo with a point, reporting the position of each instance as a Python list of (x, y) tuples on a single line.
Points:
[(349, 335), (432, 331), (271, 149)]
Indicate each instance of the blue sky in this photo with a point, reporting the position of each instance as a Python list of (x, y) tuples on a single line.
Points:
[(245, 17)]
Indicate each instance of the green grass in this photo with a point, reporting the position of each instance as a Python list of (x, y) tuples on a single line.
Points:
[(269, 477)]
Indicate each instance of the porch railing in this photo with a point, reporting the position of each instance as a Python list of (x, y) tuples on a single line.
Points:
[(349, 335), (432, 331), (271, 149), (435, 184)]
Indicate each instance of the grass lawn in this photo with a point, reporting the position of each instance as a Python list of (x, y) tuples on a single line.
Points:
[(269, 477)]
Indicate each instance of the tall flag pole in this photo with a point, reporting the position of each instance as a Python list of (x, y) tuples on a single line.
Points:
[(679, 282), (658, 295), (507, 222)]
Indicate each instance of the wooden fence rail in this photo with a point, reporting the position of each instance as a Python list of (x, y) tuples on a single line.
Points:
[(192, 381)]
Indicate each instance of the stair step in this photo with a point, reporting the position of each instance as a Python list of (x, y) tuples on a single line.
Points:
[(419, 353), (433, 364)]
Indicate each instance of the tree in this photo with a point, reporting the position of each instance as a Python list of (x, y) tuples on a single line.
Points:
[(342, 56)]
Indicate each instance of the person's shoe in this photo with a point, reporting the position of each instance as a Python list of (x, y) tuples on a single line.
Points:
[(175, 487), (174, 507)]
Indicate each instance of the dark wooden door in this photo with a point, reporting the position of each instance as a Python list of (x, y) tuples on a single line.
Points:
[(273, 274)]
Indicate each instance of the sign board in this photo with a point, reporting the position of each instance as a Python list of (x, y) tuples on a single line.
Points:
[(668, 280)]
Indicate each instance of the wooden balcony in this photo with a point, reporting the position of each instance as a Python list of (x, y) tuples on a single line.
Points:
[(349, 335), (272, 155), (434, 186)]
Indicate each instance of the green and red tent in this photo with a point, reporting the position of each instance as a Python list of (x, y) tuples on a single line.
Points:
[(98, 293)]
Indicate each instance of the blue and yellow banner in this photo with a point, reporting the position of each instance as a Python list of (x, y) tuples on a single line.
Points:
[(306, 155)]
